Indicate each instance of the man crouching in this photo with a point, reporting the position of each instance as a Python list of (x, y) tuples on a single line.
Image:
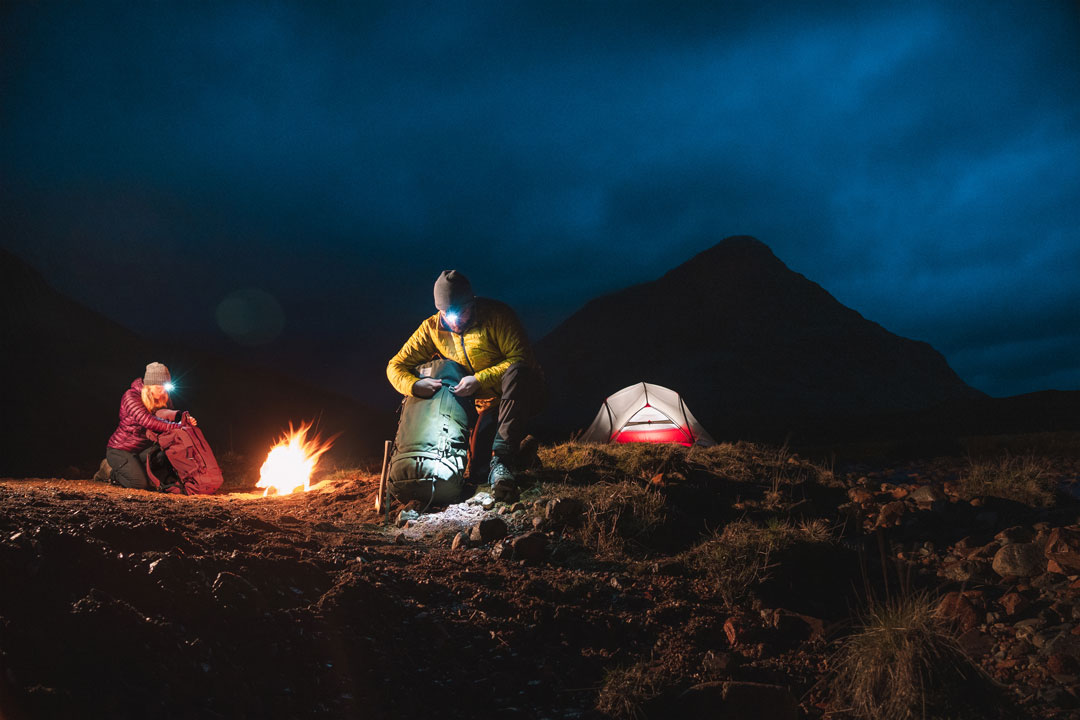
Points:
[(506, 383)]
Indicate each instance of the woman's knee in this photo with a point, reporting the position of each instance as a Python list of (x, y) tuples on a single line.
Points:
[(126, 471)]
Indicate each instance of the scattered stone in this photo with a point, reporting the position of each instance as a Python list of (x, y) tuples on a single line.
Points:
[(1063, 550), (530, 546), (538, 522), (860, 495), (720, 662), (478, 499), (891, 514), (738, 630), (1013, 603), (958, 609), (487, 530), (565, 511), (505, 491), (1019, 559), (403, 517), (399, 539), (331, 527), (460, 540), (926, 495), (1015, 534)]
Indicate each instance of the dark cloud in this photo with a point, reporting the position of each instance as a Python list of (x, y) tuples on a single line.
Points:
[(914, 159)]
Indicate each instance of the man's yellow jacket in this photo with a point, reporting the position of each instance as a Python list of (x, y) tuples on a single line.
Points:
[(491, 344)]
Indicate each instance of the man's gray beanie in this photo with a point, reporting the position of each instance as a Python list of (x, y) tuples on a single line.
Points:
[(452, 290), (156, 374)]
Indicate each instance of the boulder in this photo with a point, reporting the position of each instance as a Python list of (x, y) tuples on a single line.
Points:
[(1019, 559), (487, 530)]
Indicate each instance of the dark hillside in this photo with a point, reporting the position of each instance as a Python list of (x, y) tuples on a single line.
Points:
[(753, 347), (65, 367)]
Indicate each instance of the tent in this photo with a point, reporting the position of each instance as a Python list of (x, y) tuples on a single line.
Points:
[(646, 413)]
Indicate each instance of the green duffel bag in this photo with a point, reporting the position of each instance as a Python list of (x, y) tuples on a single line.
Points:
[(431, 449)]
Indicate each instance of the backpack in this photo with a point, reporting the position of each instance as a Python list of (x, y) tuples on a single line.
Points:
[(431, 448), (195, 469)]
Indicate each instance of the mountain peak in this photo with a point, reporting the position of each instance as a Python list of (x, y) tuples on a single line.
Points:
[(746, 337)]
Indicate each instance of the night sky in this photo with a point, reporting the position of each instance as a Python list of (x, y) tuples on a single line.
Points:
[(284, 181)]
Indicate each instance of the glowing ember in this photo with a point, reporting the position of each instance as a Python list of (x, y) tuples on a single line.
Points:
[(289, 464)]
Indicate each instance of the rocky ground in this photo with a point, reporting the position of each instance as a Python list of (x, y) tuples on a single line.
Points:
[(616, 585)]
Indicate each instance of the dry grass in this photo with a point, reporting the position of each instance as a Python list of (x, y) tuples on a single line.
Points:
[(625, 690), (619, 517), (1025, 479), (737, 557), (740, 462), (903, 663)]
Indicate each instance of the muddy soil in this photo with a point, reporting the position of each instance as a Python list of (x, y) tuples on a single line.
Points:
[(119, 603)]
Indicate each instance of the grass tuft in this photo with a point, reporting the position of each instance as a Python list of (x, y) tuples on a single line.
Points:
[(902, 663), (619, 518), (1025, 479), (737, 557), (625, 690)]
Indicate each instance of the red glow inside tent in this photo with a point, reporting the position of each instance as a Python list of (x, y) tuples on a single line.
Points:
[(646, 413), (666, 435)]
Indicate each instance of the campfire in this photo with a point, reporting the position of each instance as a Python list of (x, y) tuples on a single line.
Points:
[(289, 464)]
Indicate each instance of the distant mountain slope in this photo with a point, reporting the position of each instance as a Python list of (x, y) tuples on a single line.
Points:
[(65, 367), (750, 344)]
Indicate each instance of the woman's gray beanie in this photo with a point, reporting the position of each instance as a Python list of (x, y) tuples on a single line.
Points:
[(156, 374)]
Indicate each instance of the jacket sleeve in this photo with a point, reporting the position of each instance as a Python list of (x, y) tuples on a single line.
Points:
[(401, 370), (510, 338), (135, 410)]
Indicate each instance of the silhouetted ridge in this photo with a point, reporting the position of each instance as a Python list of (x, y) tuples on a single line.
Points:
[(745, 338)]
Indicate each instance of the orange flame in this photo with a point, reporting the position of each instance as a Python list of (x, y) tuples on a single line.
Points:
[(289, 464)]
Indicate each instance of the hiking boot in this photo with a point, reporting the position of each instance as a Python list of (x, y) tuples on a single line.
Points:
[(104, 472), (499, 472), (503, 483)]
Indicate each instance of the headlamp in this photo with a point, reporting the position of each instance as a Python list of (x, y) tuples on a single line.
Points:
[(169, 387), (451, 317)]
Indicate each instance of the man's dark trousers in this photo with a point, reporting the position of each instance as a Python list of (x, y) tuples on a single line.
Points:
[(501, 428)]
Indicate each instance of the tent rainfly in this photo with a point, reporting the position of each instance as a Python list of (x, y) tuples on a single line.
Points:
[(646, 413)]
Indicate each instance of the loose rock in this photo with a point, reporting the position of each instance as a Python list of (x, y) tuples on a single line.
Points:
[(488, 529), (1019, 559)]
